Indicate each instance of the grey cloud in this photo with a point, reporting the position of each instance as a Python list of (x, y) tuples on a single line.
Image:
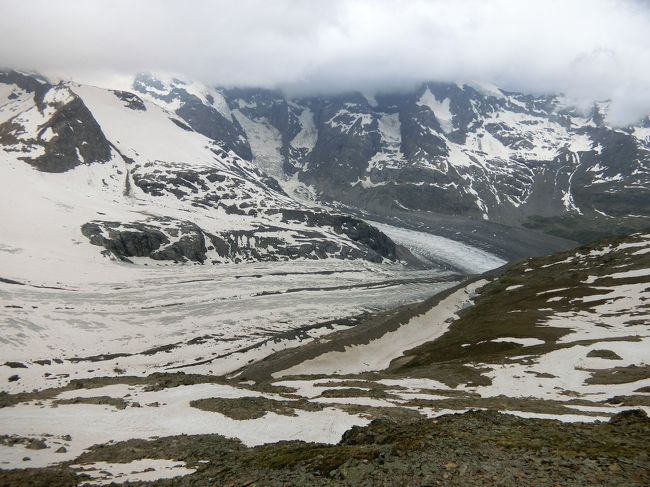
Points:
[(588, 49)]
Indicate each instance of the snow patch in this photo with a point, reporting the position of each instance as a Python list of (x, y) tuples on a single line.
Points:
[(516, 286), (526, 342), (440, 109), (147, 470), (379, 353)]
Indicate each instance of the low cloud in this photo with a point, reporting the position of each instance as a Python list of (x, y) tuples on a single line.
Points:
[(588, 49)]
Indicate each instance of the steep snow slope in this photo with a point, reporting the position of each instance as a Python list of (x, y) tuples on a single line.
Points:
[(205, 109)]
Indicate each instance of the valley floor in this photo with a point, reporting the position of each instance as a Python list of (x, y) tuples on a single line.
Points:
[(545, 358), (192, 318)]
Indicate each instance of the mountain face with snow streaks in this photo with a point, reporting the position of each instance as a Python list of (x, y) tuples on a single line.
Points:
[(453, 149)]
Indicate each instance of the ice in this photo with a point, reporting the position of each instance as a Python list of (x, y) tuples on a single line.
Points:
[(266, 142), (238, 309), (390, 128), (370, 98), (440, 249)]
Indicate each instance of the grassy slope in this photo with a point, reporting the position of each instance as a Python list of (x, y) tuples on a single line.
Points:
[(521, 313)]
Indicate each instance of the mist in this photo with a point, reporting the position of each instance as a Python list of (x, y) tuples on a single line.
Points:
[(588, 50)]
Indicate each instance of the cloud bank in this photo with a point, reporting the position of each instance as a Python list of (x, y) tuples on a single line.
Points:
[(587, 49)]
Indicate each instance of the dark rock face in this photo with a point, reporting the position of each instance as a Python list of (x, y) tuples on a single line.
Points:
[(210, 188), (134, 240), (630, 417), (347, 138), (623, 162), (31, 84), (357, 230), (78, 140), (68, 135), (212, 124), (151, 239), (183, 241), (134, 102)]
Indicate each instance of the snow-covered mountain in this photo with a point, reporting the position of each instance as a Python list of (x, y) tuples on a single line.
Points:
[(84, 165), (452, 149), (179, 171)]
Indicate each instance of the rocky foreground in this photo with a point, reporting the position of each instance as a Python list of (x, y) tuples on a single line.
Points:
[(474, 448)]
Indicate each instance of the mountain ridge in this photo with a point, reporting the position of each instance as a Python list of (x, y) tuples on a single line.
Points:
[(512, 158)]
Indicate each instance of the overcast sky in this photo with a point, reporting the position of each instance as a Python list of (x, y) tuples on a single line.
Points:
[(588, 49)]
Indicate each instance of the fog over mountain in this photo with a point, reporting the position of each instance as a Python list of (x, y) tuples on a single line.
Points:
[(587, 49)]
